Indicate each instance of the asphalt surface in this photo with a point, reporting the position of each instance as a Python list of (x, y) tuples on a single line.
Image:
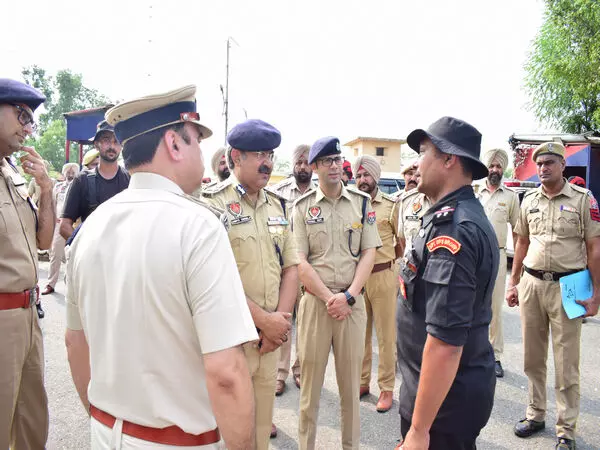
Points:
[(69, 425)]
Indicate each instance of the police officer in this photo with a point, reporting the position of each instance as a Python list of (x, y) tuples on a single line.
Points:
[(291, 189), (91, 159), (448, 277), (265, 253), (411, 208), (219, 164), (57, 251), (336, 234), (555, 220), (501, 206), (166, 320), (90, 189), (23, 229), (381, 288)]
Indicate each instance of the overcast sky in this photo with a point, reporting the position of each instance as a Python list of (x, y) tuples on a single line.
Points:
[(311, 68)]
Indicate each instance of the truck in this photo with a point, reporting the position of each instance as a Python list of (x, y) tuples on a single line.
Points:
[(582, 158)]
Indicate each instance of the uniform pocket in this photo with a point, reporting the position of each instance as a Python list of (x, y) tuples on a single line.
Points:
[(500, 215), (536, 223), (9, 220), (244, 244), (317, 238), (439, 270), (567, 224)]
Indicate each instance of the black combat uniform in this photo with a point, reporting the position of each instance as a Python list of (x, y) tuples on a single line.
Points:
[(448, 278)]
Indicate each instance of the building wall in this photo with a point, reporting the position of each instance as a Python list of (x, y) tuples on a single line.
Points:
[(391, 160)]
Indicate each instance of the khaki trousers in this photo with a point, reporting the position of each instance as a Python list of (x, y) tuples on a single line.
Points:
[(381, 291), (263, 370), (498, 298), (317, 333), (57, 253), (285, 357), (23, 401), (541, 308)]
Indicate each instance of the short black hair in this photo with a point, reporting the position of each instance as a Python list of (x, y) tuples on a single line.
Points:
[(141, 149)]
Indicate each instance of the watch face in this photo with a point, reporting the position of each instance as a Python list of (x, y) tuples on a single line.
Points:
[(351, 301)]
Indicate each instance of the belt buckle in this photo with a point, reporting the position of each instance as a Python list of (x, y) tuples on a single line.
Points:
[(32, 297), (548, 276)]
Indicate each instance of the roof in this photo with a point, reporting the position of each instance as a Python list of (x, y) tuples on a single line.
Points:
[(547, 137), (375, 139), (85, 112)]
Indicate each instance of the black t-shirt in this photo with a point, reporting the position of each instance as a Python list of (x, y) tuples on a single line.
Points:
[(77, 203), (449, 276)]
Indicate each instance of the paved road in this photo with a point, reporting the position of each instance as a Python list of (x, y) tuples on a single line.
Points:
[(69, 428)]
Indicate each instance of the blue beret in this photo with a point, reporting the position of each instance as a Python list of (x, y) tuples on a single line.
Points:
[(12, 91), (254, 136), (324, 147)]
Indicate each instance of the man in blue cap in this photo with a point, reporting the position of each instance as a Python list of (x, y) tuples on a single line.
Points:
[(445, 303), (154, 340), (92, 188), (336, 235), (265, 253), (23, 401)]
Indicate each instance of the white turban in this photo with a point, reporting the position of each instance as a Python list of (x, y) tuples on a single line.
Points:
[(298, 152), (496, 154), (370, 164), (216, 159), (68, 166)]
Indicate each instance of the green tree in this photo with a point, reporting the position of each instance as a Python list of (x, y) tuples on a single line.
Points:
[(564, 66)]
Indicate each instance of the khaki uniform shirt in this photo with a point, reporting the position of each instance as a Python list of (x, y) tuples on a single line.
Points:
[(557, 227), (387, 226), (18, 237), (261, 238), (412, 207), (501, 207), (331, 234), (153, 284), (288, 189), (60, 194)]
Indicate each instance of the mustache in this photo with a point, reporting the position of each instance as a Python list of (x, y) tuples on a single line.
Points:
[(265, 169)]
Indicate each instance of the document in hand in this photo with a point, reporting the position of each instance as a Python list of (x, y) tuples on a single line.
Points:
[(577, 286)]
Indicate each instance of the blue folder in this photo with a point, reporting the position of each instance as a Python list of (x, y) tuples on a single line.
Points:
[(577, 286)]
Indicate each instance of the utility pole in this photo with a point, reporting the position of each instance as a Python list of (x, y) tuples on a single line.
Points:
[(225, 93)]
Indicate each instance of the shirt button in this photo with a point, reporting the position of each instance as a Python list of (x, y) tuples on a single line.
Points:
[(421, 232)]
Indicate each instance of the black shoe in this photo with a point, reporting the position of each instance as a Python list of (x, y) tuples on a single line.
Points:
[(40, 311), (564, 443), (499, 370), (526, 427)]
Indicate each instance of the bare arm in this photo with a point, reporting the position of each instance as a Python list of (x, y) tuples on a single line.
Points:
[(401, 246), (438, 370), (66, 228), (593, 255), (231, 396), (288, 289), (46, 216), (521, 247), (78, 353)]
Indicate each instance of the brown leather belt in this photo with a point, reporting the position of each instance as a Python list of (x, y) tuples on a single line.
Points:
[(381, 267), (19, 299), (549, 276), (172, 435)]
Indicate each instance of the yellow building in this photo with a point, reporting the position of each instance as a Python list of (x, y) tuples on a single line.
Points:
[(387, 151)]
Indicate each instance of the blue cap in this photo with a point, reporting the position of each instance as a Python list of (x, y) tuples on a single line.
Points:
[(103, 126), (254, 136), (12, 91), (324, 147)]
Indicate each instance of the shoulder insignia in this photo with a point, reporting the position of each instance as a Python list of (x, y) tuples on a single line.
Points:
[(444, 214), (358, 192), (216, 211), (388, 197), (371, 217), (580, 189), (216, 188), (447, 242), (305, 196), (407, 194)]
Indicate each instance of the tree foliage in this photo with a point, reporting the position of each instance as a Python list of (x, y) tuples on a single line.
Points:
[(64, 92), (564, 66)]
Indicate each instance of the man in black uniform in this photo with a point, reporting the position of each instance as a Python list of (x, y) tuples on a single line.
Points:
[(90, 189), (445, 304)]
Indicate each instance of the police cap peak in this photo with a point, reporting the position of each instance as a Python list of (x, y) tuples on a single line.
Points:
[(15, 92), (142, 115), (549, 148), (326, 146), (254, 135)]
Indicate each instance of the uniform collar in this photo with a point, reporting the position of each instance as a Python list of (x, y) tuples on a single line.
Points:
[(486, 188), (148, 180), (321, 195), (378, 197), (567, 190), (241, 191), (294, 185), (450, 201)]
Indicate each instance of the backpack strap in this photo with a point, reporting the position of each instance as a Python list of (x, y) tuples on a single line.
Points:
[(364, 210), (92, 194)]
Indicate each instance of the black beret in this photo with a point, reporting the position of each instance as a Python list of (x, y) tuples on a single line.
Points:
[(13, 92), (254, 136)]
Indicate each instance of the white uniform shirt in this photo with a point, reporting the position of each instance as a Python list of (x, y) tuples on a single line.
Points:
[(154, 285)]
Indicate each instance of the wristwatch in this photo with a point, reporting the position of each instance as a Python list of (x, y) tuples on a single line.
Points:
[(351, 300)]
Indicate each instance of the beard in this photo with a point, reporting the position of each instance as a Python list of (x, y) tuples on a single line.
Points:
[(105, 157), (494, 178), (366, 187), (224, 174), (302, 176)]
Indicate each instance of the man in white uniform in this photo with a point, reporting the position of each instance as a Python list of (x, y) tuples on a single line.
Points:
[(157, 333)]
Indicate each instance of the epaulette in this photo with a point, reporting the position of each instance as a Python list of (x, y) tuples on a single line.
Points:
[(359, 192), (407, 194), (388, 197), (284, 182), (220, 213), (218, 187), (528, 193), (580, 189), (275, 194), (305, 196)]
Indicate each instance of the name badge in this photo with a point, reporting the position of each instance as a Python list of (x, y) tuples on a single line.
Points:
[(314, 221), (271, 221), (534, 210), (239, 220)]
